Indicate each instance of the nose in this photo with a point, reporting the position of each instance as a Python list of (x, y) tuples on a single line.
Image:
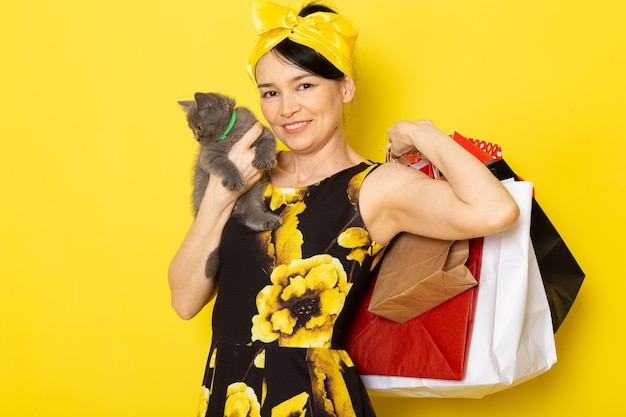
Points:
[(289, 105)]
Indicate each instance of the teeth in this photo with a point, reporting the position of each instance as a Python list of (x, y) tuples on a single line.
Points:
[(295, 125)]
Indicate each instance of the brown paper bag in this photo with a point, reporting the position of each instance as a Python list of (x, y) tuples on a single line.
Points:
[(418, 273)]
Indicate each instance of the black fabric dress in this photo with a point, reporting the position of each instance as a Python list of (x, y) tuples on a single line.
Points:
[(284, 300)]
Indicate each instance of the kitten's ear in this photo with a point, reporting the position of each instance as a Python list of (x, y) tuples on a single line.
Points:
[(186, 104), (203, 100)]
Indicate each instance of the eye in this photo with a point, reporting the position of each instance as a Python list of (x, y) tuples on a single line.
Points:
[(269, 94), (305, 86), (199, 128)]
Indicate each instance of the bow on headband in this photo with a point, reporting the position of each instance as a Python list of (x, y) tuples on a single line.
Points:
[(330, 34)]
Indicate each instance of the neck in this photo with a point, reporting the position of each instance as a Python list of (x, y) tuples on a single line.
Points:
[(298, 170), (231, 123)]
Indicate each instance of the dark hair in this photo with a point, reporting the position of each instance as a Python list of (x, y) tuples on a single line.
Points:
[(307, 58)]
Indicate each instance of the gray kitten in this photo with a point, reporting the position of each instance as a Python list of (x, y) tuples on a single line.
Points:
[(217, 125)]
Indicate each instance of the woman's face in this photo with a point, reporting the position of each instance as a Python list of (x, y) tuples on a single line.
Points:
[(304, 110)]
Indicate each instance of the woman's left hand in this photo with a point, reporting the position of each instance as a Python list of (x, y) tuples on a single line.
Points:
[(407, 137)]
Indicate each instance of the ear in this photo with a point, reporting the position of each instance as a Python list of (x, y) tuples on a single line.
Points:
[(186, 105), (203, 100), (347, 89)]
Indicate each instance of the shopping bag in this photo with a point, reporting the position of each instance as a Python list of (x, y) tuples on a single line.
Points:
[(433, 344), (419, 273), (562, 275), (512, 338), (416, 161)]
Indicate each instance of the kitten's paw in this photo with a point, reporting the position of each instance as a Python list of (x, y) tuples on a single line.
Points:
[(234, 185), (273, 223), (266, 222), (264, 163)]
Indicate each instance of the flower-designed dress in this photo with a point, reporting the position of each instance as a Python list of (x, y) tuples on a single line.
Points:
[(284, 300)]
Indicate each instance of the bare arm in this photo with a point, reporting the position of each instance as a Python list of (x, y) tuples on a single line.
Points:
[(471, 202), (190, 289)]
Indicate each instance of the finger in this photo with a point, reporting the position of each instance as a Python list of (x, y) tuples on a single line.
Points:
[(251, 135)]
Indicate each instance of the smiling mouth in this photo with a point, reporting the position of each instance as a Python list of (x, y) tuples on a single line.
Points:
[(294, 127)]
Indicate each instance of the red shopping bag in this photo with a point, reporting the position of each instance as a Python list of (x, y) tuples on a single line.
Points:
[(432, 345)]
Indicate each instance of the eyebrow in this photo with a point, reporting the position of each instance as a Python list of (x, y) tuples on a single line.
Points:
[(296, 78)]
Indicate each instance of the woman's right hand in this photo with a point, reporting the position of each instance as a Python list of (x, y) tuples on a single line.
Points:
[(191, 290), (241, 155)]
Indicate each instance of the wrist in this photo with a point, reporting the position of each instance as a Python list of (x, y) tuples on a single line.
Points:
[(395, 152), (218, 196)]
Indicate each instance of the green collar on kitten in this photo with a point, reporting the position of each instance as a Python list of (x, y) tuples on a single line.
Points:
[(229, 127)]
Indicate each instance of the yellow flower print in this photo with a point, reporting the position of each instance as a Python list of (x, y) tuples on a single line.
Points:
[(203, 404), (288, 239), (344, 358), (259, 360), (301, 306), (293, 407), (358, 239), (378, 250), (279, 196), (354, 186), (213, 359), (330, 392), (241, 401)]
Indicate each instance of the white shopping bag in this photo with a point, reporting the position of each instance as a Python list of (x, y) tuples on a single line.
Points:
[(512, 339)]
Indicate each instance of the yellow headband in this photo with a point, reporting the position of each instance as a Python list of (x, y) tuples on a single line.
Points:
[(330, 34)]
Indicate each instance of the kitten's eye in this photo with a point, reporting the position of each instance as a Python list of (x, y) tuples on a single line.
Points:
[(199, 128)]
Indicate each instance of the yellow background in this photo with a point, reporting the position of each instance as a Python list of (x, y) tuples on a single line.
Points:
[(95, 166)]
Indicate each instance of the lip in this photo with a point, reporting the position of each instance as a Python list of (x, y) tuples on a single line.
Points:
[(296, 127)]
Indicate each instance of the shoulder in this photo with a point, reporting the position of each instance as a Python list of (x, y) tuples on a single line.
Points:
[(382, 193), (389, 177)]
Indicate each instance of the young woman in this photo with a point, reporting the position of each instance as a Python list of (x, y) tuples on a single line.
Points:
[(285, 296)]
